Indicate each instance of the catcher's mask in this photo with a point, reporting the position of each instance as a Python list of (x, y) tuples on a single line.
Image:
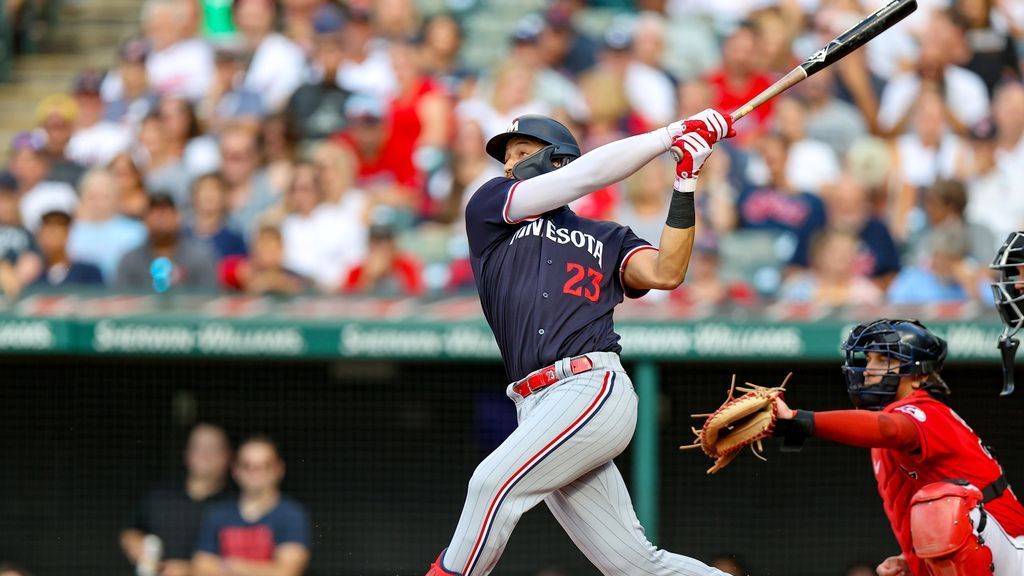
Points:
[(910, 348), (561, 147), (1009, 301)]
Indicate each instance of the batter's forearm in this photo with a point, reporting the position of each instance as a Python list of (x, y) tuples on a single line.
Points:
[(593, 171), (674, 250)]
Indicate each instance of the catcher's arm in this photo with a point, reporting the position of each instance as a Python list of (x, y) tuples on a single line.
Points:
[(852, 427)]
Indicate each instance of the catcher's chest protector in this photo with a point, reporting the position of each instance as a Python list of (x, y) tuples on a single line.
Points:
[(942, 531)]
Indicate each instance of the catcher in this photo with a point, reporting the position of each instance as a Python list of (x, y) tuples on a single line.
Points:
[(949, 504)]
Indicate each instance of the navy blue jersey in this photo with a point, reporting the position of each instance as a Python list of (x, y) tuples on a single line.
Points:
[(548, 285)]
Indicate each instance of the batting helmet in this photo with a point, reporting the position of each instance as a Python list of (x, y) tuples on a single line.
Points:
[(561, 145), (911, 349)]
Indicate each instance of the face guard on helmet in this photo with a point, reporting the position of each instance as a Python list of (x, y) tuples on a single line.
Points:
[(1009, 301), (561, 147), (910, 349)]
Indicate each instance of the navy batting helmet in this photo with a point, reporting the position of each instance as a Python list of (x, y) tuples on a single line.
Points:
[(561, 145), (911, 349)]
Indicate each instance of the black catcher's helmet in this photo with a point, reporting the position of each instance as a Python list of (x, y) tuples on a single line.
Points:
[(561, 145), (911, 349), (1009, 301)]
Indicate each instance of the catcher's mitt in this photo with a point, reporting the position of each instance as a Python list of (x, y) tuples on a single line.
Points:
[(739, 422)]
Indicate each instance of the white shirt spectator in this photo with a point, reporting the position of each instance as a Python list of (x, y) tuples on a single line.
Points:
[(99, 143), (922, 166), (650, 93), (324, 245), (965, 93), (277, 69), (45, 197), (373, 75), (810, 165), (996, 201), (184, 68)]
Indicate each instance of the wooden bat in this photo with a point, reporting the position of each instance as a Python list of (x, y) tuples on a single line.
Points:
[(847, 42)]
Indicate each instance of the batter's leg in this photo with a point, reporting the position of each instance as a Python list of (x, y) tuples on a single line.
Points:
[(564, 432), (597, 513)]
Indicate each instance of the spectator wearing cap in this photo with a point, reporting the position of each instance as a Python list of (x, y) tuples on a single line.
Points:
[(995, 189), (277, 65), (367, 65), (179, 63), (58, 267), (250, 192), (95, 141), (386, 270), (132, 98), (30, 167), (565, 48), (228, 100), (167, 259), (57, 115), (962, 93), (385, 171), (163, 169), (740, 78), (209, 219), (649, 90), (100, 234), (263, 271), (942, 274), (317, 108)]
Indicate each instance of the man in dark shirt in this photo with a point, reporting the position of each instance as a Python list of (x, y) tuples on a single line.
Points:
[(263, 531), (58, 268), (173, 511), (317, 109)]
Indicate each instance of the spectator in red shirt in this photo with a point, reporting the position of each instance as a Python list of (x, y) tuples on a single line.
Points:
[(263, 272), (386, 271), (739, 79)]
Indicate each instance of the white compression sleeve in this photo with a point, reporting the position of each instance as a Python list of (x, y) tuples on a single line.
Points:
[(591, 172)]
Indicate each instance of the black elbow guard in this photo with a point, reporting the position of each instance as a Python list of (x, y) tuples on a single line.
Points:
[(794, 432)]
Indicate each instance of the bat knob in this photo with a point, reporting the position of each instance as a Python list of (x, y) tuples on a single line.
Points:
[(677, 154)]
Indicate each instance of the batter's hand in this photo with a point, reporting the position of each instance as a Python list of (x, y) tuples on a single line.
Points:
[(718, 124), (690, 151), (894, 566)]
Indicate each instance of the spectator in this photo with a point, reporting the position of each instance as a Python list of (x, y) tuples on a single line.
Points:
[(777, 205), (565, 49), (848, 210), (208, 223), (227, 100), (553, 90), (367, 65), (249, 190), (1008, 114), (833, 278), (395, 20), (167, 259), (470, 168), (963, 98), (133, 200), (811, 164), (317, 109), (95, 141), (994, 56), (649, 90), (179, 63), (57, 115), (263, 272), (386, 271), (99, 234), (165, 171), (704, 284), (173, 509), (136, 99), (440, 56), (30, 167), (739, 79), (277, 64), (995, 189), (829, 119), (318, 239), (945, 204), (19, 263), (59, 269), (184, 138), (263, 531), (943, 274)]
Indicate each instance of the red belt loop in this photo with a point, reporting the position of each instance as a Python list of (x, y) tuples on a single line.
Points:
[(548, 375)]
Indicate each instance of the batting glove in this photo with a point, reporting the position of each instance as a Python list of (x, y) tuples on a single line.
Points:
[(690, 151)]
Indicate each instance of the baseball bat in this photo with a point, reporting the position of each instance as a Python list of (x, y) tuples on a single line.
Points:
[(847, 42)]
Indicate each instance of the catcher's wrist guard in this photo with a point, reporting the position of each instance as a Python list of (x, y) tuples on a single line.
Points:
[(794, 432)]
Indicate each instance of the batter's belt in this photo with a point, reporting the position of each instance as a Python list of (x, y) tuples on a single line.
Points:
[(562, 369)]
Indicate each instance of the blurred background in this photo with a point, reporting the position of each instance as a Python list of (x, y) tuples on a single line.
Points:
[(247, 215)]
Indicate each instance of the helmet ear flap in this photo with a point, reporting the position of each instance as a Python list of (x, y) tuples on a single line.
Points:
[(540, 162)]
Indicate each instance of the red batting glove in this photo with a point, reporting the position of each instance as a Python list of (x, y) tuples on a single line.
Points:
[(690, 151), (715, 122)]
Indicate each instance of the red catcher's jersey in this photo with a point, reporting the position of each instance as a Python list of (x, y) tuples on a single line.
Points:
[(949, 449)]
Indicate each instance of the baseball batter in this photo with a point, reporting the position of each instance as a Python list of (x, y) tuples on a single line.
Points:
[(949, 504), (549, 281)]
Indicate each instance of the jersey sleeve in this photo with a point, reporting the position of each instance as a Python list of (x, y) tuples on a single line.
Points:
[(631, 244), (933, 429), (487, 216)]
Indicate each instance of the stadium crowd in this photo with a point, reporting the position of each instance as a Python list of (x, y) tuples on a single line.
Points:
[(307, 146)]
